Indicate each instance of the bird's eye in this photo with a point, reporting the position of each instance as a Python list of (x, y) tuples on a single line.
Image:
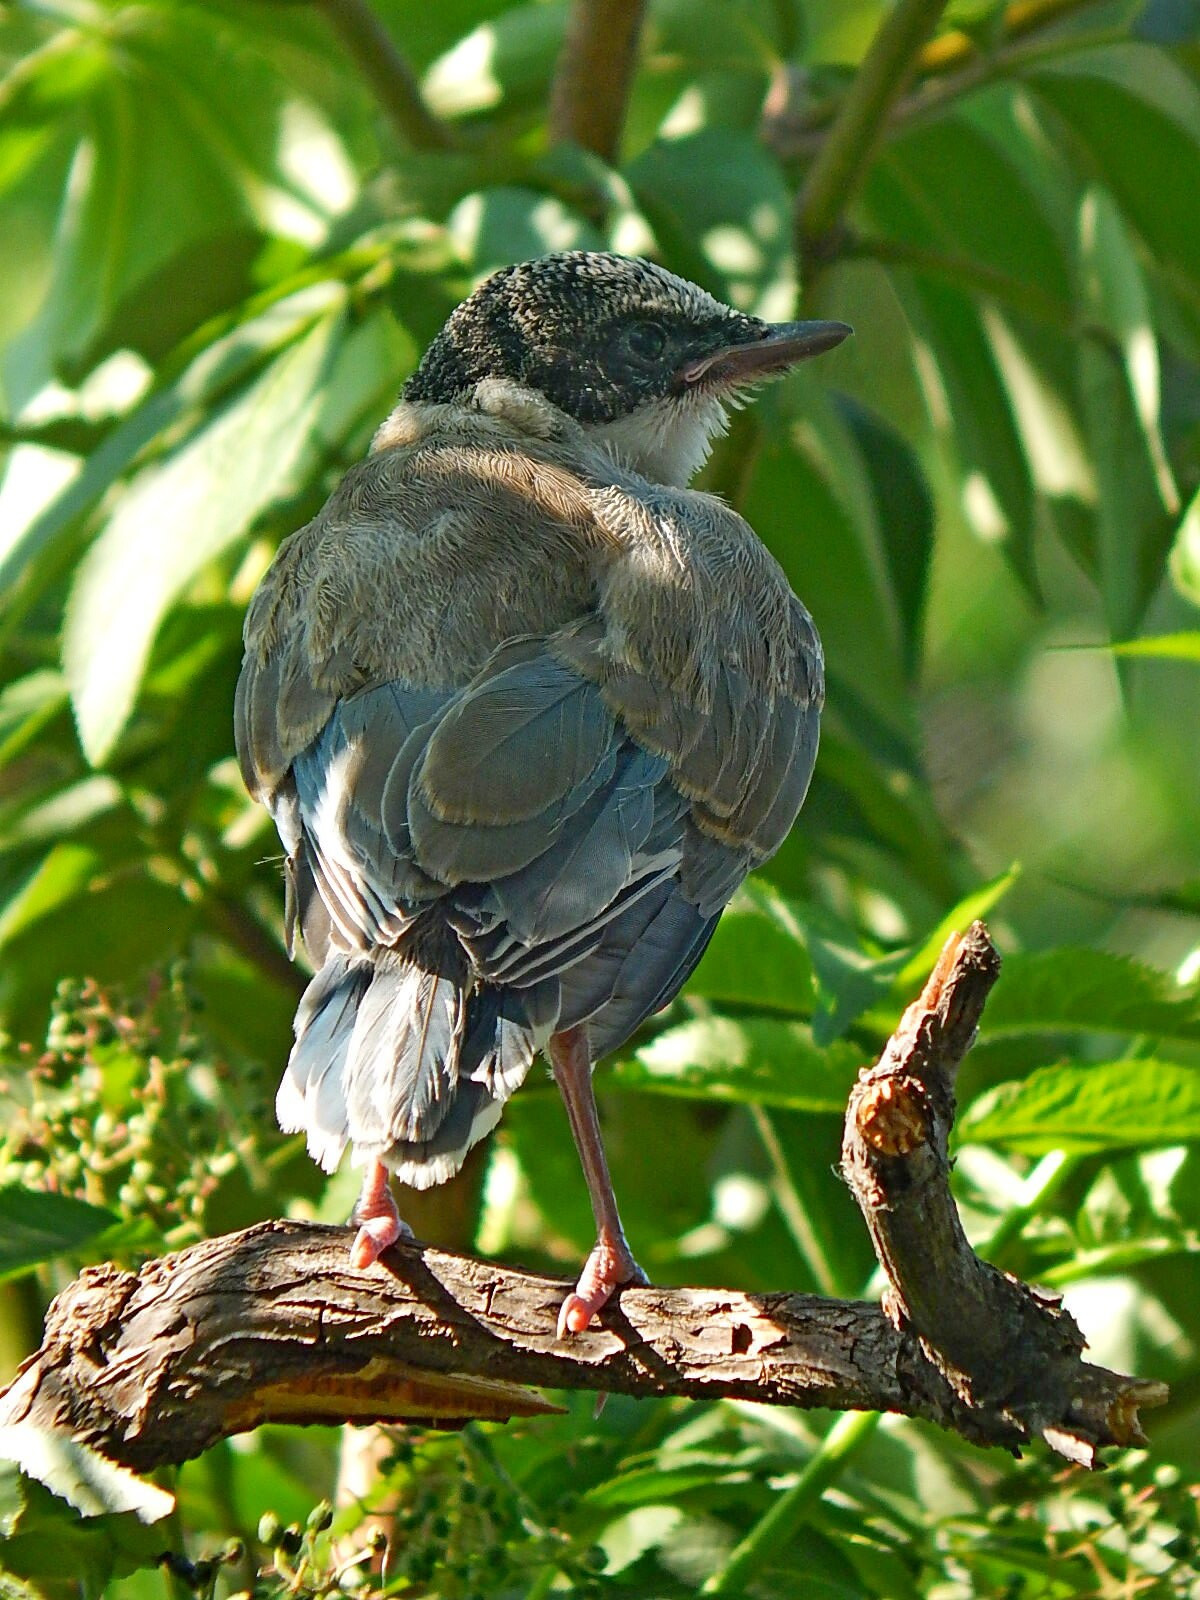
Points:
[(646, 340)]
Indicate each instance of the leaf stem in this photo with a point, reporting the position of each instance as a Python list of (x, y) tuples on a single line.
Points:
[(843, 159), (388, 71), (791, 1205), (781, 1523)]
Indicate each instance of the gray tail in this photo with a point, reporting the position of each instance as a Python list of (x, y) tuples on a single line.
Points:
[(400, 1055)]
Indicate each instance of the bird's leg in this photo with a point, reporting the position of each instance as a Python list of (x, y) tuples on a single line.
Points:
[(611, 1262), (378, 1219)]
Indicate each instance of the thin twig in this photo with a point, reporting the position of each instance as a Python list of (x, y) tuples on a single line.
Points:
[(946, 68), (388, 71), (594, 75)]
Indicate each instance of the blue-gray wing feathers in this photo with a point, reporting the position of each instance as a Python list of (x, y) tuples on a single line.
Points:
[(472, 870)]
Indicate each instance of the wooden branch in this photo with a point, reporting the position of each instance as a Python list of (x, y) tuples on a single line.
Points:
[(388, 72), (273, 1325), (594, 75), (1007, 1350)]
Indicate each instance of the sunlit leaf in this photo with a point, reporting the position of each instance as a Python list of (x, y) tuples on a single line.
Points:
[(753, 1059), (90, 1482), (1080, 1106), (175, 517), (1093, 990), (719, 204)]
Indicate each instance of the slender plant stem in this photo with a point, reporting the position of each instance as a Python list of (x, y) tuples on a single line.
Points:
[(389, 73), (791, 1206), (845, 155), (594, 75), (781, 1523)]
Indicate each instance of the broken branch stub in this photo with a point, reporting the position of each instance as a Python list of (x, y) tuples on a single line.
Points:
[(1008, 1350)]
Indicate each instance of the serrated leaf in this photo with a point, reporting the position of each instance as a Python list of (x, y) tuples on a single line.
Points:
[(1081, 1107), (36, 1226), (757, 956), (175, 517), (87, 1480), (1075, 990), (757, 1059)]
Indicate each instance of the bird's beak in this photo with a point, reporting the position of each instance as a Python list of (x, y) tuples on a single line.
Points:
[(784, 344)]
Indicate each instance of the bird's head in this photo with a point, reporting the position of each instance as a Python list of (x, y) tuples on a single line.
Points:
[(646, 362)]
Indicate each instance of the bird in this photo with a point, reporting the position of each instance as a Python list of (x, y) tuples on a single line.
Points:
[(526, 709)]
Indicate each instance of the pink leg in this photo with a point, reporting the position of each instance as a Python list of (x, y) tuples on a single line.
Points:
[(379, 1223), (611, 1262)]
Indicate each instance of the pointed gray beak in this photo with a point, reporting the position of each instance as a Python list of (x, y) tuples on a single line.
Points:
[(784, 344)]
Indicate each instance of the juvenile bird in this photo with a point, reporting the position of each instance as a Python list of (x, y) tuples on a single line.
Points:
[(525, 710)]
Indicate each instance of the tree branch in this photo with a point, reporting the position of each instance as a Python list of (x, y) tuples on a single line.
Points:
[(845, 154), (1004, 1347), (594, 75), (273, 1325), (948, 67), (389, 73)]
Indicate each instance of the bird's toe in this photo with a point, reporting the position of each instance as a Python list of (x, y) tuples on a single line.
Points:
[(610, 1267)]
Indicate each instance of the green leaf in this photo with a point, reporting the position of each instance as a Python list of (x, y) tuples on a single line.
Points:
[(66, 872), (1185, 554), (1073, 990), (37, 1226), (904, 516), (31, 558), (1136, 113), (757, 957), (1115, 291), (1158, 647), (760, 1060), (970, 404), (1121, 405), (90, 1482), (949, 183), (972, 906), (175, 517), (496, 226), (720, 207), (506, 62), (1080, 1107)]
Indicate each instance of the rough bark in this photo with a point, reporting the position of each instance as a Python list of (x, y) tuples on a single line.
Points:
[(271, 1324)]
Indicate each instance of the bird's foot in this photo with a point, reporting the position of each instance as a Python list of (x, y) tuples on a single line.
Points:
[(609, 1267), (379, 1221)]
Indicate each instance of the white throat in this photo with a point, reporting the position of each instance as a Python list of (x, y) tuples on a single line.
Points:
[(667, 441)]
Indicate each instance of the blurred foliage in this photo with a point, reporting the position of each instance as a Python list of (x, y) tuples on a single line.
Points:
[(223, 255)]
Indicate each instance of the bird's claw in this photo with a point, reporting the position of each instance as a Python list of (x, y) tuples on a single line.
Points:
[(379, 1222), (609, 1267)]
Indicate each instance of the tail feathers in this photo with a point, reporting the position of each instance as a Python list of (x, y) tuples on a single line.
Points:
[(402, 1068), (406, 1063), (311, 1098)]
